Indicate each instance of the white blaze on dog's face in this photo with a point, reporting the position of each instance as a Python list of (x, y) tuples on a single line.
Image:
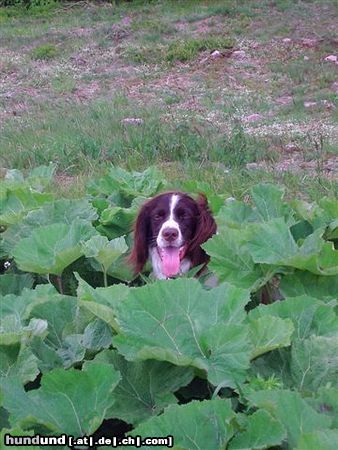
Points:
[(170, 242)]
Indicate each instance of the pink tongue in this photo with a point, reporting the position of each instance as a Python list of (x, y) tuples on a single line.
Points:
[(170, 261)]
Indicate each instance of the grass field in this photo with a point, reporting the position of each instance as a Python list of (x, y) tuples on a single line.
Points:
[(227, 92)]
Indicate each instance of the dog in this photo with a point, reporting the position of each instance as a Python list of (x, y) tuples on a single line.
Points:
[(169, 230)]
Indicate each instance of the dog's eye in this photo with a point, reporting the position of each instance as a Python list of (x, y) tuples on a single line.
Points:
[(159, 215), (183, 215)]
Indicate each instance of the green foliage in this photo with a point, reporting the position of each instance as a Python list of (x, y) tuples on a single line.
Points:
[(45, 51), (143, 354), (187, 49)]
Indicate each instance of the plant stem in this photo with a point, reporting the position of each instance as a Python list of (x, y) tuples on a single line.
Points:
[(105, 279), (59, 283)]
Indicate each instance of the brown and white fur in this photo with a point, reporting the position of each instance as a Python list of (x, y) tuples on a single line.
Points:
[(169, 230)]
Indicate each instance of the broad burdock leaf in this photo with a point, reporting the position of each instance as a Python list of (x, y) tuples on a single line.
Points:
[(97, 335), (13, 332), (327, 402), (16, 203), (122, 186), (69, 401), (62, 211), (146, 387), (309, 316), (268, 333), (232, 262), (18, 361), (268, 200), (320, 287), (314, 362), (324, 214), (273, 243), (116, 221), (274, 364), (236, 213), (50, 249), (292, 411), (261, 431), (197, 425), (102, 302), (12, 283), (16, 312), (104, 251), (71, 350), (180, 322), (326, 440), (59, 312)]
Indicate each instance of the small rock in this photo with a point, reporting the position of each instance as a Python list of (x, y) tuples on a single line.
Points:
[(310, 104), (309, 43), (291, 147), (252, 166), (287, 40), (334, 86), (132, 121), (239, 54), (284, 100), (216, 54), (328, 105), (331, 58), (306, 58), (253, 118)]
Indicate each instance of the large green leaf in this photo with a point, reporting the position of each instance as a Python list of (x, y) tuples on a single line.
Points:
[(97, 335), (65, 332), (12, 283), (273, 243), (236, 213), (319, 440), (321, 287), (16, 310), (63, 211), (102, 302), (292, 411), (104, 251), (268, 333), (231, 260), (327, 401), (309, 316), (116, 221), (18, 361), (314, 362), (261, 431), (50, 249), (146, 387), (268, 199), (122, 186), (180, 322), (69, 401), (17, 202), (197, 425), (13, 331)]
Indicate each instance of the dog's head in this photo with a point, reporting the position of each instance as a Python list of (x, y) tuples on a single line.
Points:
[(175, 225)]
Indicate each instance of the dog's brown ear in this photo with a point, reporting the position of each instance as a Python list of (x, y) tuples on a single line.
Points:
[(140, 252), (206, 225)]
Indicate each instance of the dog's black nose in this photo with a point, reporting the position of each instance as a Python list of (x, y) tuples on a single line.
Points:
[(170, 234)]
